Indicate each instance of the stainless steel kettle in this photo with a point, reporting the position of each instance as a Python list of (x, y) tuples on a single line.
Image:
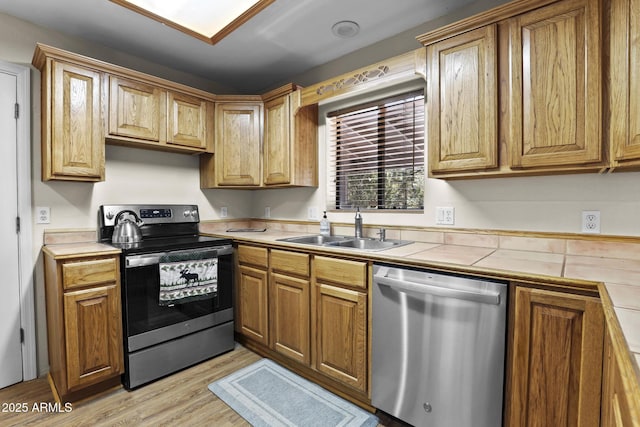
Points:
[(126, 230)]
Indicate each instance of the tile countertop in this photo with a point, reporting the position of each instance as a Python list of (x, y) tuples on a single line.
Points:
[(81, 249), (612, 267)]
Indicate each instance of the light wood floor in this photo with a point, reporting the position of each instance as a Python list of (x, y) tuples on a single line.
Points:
[(181, 399)]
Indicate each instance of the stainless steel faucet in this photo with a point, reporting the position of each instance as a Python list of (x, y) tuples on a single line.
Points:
[(383, 234), (358, 223)]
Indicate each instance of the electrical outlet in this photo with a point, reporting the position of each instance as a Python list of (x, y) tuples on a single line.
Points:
[(223, 212), (313, 213), (445, 216), (267, 212), (591, 222), (43, 215)]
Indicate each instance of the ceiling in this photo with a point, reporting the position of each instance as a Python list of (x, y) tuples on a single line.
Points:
[(286, 39)]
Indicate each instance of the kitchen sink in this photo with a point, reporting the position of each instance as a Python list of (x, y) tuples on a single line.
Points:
[(369, 244), (347, 242), (317, 239)]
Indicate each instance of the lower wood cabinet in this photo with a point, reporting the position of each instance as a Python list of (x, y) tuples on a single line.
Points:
[(341, 326), (620, 394), (84, 323), (252, 296), (556, 359), (315, 313), (92, 353), (289, 300), (341, 334), (252, 286)]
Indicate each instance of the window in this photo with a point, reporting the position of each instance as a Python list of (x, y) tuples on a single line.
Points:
[(376, 154)]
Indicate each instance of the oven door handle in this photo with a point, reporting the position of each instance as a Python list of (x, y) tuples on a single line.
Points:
[(134, 261)]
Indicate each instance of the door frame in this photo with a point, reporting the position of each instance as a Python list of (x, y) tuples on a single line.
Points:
[(25, 240)]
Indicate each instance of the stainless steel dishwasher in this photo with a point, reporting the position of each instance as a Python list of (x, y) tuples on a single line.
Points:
[(438, 345)]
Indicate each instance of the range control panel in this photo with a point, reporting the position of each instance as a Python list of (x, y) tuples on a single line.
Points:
[(155, 213), (151, 214)]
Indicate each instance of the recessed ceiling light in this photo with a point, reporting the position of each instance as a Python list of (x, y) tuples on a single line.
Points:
[(345, 29), (204, 19)]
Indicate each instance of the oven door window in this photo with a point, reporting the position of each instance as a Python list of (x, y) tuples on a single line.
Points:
[(143, 312)]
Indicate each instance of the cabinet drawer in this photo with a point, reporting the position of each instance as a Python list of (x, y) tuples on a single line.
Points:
[(87, 273), (252, 255), (341, 271), (290, 262)]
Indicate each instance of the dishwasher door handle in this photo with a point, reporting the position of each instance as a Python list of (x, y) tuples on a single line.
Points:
[(423, 288)]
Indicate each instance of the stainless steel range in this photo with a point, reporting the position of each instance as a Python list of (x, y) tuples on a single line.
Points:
[(177, 289)]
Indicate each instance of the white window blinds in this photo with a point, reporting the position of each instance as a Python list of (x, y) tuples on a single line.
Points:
[(376, 154)]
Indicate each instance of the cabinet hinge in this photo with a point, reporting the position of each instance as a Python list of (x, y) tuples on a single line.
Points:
[(21, 335), (17, 224), (17, 111)]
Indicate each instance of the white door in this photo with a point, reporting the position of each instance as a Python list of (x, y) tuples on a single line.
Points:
[(10, 323)]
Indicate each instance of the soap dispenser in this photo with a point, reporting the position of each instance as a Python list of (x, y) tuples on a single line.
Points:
[(325, 226), (358, 224)]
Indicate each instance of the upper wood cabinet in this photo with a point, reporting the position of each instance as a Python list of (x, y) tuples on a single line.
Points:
[(277, 138), (189, 121), (238, 146), (277, 149), (517, 90), (555, 85), (150, 116), (463, 102), (290, 140), (134, 109), (72, 122), (86, 102), (624, 85), (556, 359)]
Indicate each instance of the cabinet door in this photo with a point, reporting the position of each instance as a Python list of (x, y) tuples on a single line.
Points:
[(556, 359), (134, 109), (615, 401), (76, 150), (341, 335), (277, 146), (625, 79), (238, 145), (187, 121), (289, 316), (93, 323), (252, 304), (463, 102), (555, 87)]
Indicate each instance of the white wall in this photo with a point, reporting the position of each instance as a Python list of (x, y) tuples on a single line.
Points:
[(550, 203)]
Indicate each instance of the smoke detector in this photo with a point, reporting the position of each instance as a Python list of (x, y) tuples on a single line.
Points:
[(345, 29)]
